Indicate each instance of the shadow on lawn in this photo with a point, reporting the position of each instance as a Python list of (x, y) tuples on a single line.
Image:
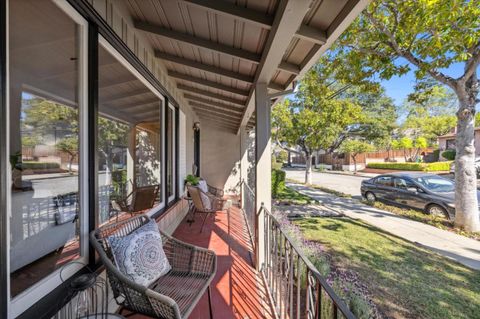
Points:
[(407, 280)]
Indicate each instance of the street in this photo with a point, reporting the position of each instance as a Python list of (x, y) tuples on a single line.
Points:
[(342, 183)]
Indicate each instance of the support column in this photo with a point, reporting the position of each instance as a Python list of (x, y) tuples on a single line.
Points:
[(263, 167), (131, 156), (243, 161)]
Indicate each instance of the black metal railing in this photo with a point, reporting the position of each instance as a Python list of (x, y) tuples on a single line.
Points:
[(248, 207), (296, 287)]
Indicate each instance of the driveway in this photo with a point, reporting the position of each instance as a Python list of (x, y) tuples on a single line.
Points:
[(343, 183), (462, 249)]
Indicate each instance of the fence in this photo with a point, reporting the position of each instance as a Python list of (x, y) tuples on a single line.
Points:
[(296, 287)]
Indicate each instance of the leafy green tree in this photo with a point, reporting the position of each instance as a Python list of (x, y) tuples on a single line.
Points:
[(430, 110), (313, 120), (392, 37), (354, 148), (406, 144), (42, 115), (69, 145)]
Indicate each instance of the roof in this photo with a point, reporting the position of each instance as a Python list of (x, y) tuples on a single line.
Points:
[(217, 50), (455, 134)]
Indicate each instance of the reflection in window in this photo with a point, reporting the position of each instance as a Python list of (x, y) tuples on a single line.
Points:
[(44, 141), (129, 142), (171, 153)]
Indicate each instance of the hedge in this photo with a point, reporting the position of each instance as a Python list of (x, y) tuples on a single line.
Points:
[(40, 165), (426, 167), (278, 181), (449, 154)]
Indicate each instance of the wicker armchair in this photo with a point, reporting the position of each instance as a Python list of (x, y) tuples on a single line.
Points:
[(173, 295), (140, 199), (216, 203)]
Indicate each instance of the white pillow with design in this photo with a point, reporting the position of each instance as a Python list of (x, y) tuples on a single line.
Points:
[(140, 255)]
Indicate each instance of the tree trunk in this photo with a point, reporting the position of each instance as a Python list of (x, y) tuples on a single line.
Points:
[(70, 162), (466, 203), (308, 168), (108, 169), (354, 164)]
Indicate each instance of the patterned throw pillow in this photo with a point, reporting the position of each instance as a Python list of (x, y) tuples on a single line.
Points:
[(202, 184), (140, 255), (207, 204)]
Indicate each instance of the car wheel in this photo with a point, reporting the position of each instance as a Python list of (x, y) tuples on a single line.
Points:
[(371, 198), (436, 210)]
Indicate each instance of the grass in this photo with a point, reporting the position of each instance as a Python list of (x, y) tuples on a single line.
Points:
[(287, 195), (439, 222), (406, 281), (321, 188)]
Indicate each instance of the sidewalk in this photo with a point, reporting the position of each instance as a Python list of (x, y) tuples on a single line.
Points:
[(462, 249)]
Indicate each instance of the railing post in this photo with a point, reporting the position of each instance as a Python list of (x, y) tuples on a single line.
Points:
[(263, 165)]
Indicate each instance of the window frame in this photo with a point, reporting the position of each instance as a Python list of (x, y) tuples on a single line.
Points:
[(174, 142), (104, 43), (46, 285)]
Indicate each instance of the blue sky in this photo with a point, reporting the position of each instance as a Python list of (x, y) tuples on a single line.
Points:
[(399, 87)]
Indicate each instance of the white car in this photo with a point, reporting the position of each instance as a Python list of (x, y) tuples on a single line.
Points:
[(477, 167)]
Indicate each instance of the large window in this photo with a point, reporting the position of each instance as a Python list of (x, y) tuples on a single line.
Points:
[(129, 140), (47, 51)]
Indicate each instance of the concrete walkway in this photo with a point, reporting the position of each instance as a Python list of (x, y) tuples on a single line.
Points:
[(460, 248)]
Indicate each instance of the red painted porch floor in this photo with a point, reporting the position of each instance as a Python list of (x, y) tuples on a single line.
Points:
[(237, 290)]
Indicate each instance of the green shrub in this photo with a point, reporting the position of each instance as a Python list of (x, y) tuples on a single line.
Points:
[(425, 167), (437, 166), (278, 182), (436, 155), (449, 155), (40, 165), (399, 166)]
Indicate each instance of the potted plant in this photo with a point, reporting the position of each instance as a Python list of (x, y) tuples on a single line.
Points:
[(191, 180)]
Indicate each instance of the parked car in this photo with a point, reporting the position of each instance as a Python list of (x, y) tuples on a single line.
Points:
[(430, 193), (477, 167)]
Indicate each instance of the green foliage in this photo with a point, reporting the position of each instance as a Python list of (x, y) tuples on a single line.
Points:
[(436, 167), (278, 182), (449, 155), (355, 147), (192, 180), (282, 156), (314, 119), (405, 143), (425, 167), (288, 195), (68, 145), (39, 165), (436, 155)]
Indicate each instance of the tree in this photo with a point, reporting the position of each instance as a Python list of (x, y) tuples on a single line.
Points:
[(69, 145), (42, 115), (354, 148), (406, 144), (430, 110), (313, 120), (392, 37)]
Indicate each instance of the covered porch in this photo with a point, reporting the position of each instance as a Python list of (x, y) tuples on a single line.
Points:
[(150, 92)]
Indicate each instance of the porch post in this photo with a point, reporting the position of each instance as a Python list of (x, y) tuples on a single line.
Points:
[(243, 162), (131, 156), (263, 165)]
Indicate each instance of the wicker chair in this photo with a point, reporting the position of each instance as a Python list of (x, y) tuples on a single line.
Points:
[(216, 203), (173, 295), (140, 199)]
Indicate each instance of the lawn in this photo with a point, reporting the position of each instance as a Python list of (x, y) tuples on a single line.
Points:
[(291, 196), (406, 281)]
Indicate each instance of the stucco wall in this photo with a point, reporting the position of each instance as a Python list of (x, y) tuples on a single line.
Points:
[(220, 158)]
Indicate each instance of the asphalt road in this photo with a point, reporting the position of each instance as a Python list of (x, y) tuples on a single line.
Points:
[(342, 183)]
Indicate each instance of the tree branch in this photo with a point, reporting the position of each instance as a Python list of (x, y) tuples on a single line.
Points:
[(286, 148), (472, 63), (408, 55)]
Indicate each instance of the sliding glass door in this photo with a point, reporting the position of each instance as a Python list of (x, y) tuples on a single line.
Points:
[(47, 129)]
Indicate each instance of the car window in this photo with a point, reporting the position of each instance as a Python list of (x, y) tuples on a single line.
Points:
[(436, 183), (402, 183), (384, 181)]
